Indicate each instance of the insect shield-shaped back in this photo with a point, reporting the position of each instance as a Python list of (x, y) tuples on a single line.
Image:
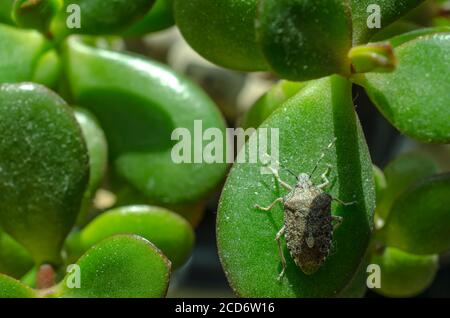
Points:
[(309, 228)]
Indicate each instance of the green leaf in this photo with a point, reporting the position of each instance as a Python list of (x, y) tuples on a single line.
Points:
[(29, 278), (48, 69), (98, 17), (167, 230), (410, 36), (35, 14), (159, 17), (373, 57), (126, 195), (43, 168), (400, 174), (15, 261), (414, 98), (269, 102), (120, 267), (404, 274), (20, 51), (357, 287), (222, 31), (380, 182), (98, 157), (303, 39), (419, 221), (11, 288), (307, 123), (139, 104), (398, 28), (6, 7), (391, 10)]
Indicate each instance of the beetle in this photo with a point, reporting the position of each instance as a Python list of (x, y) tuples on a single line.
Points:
[(308, 223)]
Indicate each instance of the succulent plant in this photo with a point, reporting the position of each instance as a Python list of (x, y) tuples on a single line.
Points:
[(78, 120)]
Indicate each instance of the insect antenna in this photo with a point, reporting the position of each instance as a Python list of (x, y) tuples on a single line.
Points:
[(322, 156), (289, 170)]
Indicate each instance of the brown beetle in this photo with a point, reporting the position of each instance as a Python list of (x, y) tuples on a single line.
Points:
[(308, 222)]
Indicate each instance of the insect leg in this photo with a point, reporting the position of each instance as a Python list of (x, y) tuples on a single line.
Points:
[(338, 220), (277, 176), (280, 251), (344, 203), (325, 182), (270, 207)]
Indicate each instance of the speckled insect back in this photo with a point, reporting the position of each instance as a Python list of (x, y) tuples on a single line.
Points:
[(308, 226), (308, 222)]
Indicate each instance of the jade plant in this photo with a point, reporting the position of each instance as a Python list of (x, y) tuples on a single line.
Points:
[(77, 117)]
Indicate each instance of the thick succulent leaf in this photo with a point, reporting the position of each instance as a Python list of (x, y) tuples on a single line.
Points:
[(139, 103), (303, 39), (409, 36), (415, 97), (167, 230), (158, 18), (48, 69), (99, 16), (391, 10), (126, 195), (269, 102), (15, 260), (398, 28), (404, 274), (380, 182), (419, 221), (402, 173), (35, 14), (20, 51), (43, 168), (120, 267), (29, 278), (222, 31), (6, 7), (98, 157), (357, 287), (11, 288), (307, 123)]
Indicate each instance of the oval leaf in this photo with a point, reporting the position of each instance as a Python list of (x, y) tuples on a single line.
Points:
[(167, 230), (419, 221), (97, 17), (6, 7), (139, 104), (269, 102), (404, 274), (43, 168), (307, 123), (98, 157), (304, 39), (365, 13), (20, 51), (15, 261), (11, 288), (120, 267), (35, 14), (159, 17), (222, 31), (357, 287), (414, 98), (402, 173)]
